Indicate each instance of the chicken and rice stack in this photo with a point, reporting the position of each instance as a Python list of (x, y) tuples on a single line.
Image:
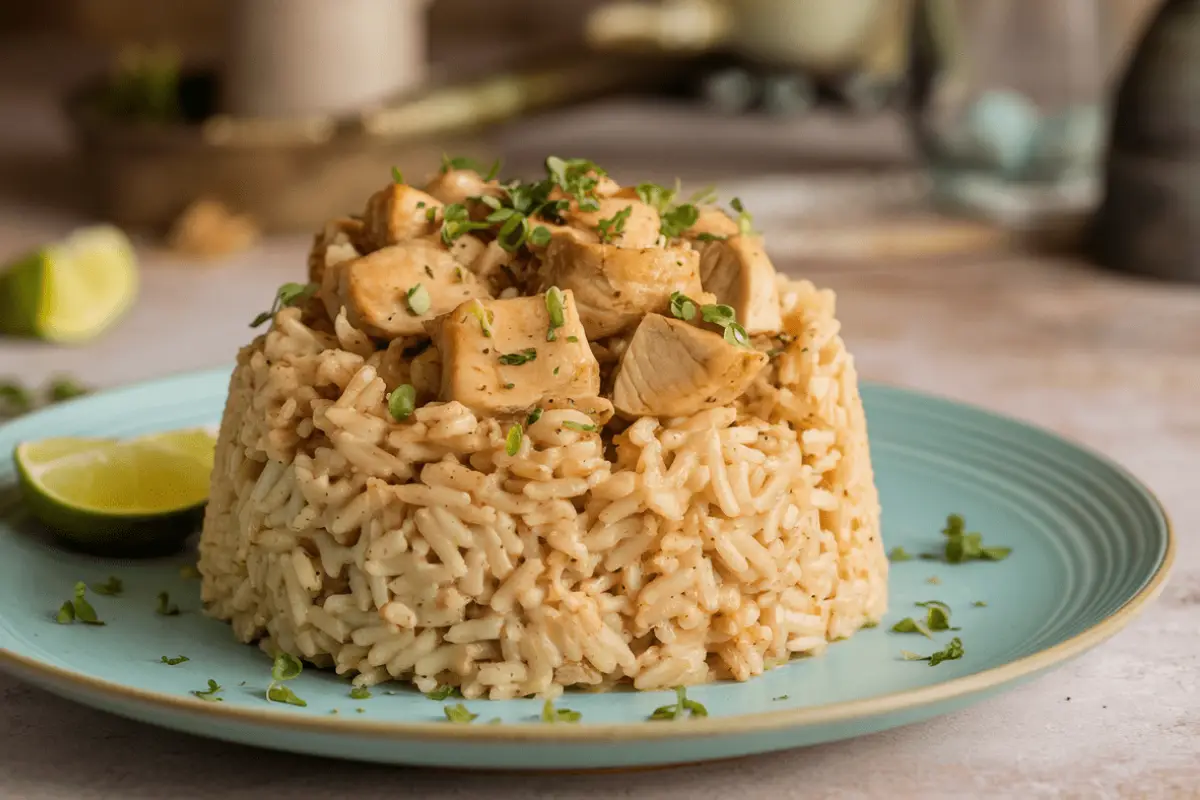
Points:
[(519, 437)]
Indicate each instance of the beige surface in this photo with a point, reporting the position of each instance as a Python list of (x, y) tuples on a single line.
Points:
[(1112, 362)]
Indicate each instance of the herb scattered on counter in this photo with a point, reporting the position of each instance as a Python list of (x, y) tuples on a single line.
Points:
[(951, 652), (962, 546), (290, 294), (402, 402), (680, 708), (112, 587), (189, 572), (744, 220), (512, 442), (552, 714), (418, 300), (459, 714), (579, 426), (165, 607), (360, 710), (443, 692), (211, 693), (555, 308), (610, 228), (533, 417), (171, 662), (360, 693), (520, 357), (910, 625), (285, 667), (539, 236), (979, 604), (397, 175), (899, 554)]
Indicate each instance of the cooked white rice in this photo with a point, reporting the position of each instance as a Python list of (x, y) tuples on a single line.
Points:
[(713, 546)]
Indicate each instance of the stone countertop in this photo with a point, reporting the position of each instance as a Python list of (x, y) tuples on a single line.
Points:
[(1111, 362)]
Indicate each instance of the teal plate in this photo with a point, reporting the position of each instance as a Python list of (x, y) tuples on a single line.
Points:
[(1091, 547)]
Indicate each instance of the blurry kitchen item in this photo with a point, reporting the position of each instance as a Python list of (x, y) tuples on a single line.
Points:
[(292, 173), (70, 291), (295, 58), (783, 51), (1149, 222), (207, 229), (1009, 105)]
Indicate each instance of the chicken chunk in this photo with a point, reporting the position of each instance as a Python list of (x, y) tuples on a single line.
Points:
[(397, 213), (333, 244), (460, 185), (496, 357), (615, 286), (738, 271), (673, 369), (637, 227), (393, 291)]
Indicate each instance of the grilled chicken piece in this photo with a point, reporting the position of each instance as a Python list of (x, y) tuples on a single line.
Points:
[(397, 213), (712, 222), (460, 185), (333, 245), (673, 369), (639, 229), (514, 368), (741, 275), (615, 286), (375, 288)]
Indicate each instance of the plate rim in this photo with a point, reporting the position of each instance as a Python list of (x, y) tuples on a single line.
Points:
[(22, 666)]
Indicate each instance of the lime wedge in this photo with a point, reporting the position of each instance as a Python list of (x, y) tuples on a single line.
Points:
[(72, 290), (140, 497)]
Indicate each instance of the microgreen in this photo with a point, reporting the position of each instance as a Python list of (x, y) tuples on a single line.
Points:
[(520, 357), (512, 442), (397, 175), (910, 625), (165, 607), (533, 417), (442, 692), (170, 662), (962, 546), (608, 229), (459, 714), (402, 402), (950, 652), (744, 220), (682, 707), (711, 237), (678, 220), (552, 714), (682, 306), (484, 316), (899, 554), (211, 693), (289, 294), (285, 667), (82, 609)]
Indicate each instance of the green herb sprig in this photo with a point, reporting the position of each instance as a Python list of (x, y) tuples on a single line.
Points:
[(459, 714), (290, 294), (285, 667), (681, 708), (443, 692), (556, 309), (724, 317), (609, 229), (551, 714), (520, 357), (171, 662), (951, 652), (962, 546), (78, 609), (210, 694)]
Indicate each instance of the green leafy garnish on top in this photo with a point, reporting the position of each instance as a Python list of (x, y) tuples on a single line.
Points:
[(684, 308), (290, 294), (681, 708), (675, 222), (609, 229), (520, 357), (285, 667)]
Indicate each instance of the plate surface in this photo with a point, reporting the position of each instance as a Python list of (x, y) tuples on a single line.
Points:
[(1091, 547)]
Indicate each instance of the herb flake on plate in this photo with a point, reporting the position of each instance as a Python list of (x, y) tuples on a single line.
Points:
[(459, 714), (552, 714), (681, 708), (210, 694)]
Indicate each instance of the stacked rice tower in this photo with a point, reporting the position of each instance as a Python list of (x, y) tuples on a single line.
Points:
[(520, 437)]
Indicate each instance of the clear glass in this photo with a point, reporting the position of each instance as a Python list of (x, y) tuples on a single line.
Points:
[(1012, 118)]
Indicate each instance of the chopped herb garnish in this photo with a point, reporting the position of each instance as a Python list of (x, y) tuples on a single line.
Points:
[(66, 614), (615, 225), (675, 222), (112, 587), (899, 554), (459, 714), (539, 236), (457, 222), (458, 275), (512, 442), (428, 270), (431, 214), (718, 314), (937, 616), (65, 389), (289, 294), (484, 316), (979, 604), (781, 697), (402, 402), (744, 220), (680, 708), (962, 546), (397, 175), (82, 608), (494, 721), (520, 357), (704, 197), (211, 693), (579, 426), (555, 308), (533, 417), (951, 652), (682, 306), (418, 300), (189, 572), (360, 693), (910, 625), (552, 714), (711, 237), (658, 197), (285, 667), (165, 607), (511, 385), (572, 339), (173, 661), (736, 335), (443, 692)]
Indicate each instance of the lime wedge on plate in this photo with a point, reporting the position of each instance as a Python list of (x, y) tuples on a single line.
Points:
[(139, 497), (72, 290)]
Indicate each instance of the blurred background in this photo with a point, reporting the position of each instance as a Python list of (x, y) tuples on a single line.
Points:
[(874, 141)]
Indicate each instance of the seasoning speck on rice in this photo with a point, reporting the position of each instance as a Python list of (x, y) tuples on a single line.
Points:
[(642, 496)]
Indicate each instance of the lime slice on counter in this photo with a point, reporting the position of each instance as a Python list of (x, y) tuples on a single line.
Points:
[(72, 290), (138, 497)]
